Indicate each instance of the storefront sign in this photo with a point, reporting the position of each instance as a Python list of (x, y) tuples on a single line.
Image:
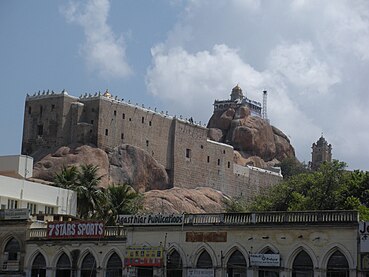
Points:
[(75, 229), (158, 219), (144, 256), (200, 272), (265, 259), (364, 236), (14, 214)]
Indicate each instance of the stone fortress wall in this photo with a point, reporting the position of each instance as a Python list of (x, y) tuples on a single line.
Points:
[(182, 147)]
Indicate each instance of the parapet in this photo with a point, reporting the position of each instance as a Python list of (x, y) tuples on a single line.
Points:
[(17, 166)]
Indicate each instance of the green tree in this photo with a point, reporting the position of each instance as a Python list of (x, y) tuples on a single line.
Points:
[(120, 199), (67, 178), (331, 187), (89, 195)]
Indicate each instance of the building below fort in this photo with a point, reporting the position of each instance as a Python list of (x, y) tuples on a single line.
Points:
[(191, 160)]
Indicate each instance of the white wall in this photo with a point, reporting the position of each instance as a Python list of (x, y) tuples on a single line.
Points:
[(64, 201)]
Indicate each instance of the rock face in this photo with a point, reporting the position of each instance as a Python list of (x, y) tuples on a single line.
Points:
[(134, 166), (52, 163), (255, 141), (180, 200), (123, 164)]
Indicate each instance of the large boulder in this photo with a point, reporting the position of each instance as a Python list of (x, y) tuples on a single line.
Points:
[(134, 166), (123, 164), (251, 136), (76, 155), (181, 200)]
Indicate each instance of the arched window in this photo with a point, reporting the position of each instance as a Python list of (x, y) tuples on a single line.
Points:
[(337, 265), (114, 266), (204, 261), (63, 266), (174, 264), (88, 267), (268, 271), (236, 265), (38, 266), (302, 265), (12, 250)]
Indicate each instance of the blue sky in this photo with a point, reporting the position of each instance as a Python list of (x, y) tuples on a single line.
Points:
[(311, 56)]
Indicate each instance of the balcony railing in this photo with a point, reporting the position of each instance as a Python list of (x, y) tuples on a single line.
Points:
[(310, 217), (10, 266)]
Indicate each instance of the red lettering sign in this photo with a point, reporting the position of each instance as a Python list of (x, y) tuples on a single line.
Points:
[(75, 229)]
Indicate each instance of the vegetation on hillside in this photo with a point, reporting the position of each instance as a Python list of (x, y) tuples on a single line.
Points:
[(329, 188), (94, 202)]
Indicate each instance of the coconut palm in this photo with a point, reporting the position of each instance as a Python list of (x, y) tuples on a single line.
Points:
[(89, 195), (121, 199), (67, 178)]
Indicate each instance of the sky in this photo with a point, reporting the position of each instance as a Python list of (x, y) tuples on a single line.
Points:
[(312, 56)]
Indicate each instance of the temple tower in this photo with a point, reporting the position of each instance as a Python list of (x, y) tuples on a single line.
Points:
[(322, 152)]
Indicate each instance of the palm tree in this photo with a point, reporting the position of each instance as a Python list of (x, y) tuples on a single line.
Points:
[(89, 195), (121, 199), (67, 178)]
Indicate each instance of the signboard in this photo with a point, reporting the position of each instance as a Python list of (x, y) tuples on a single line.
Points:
[(200, 272), (158, 219), (364, 236), (144, 256), (265, 259), (14, 214), (75, 229)]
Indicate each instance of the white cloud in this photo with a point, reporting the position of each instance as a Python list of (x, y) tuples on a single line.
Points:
[(302, 68), (311, 56), (103, 51)]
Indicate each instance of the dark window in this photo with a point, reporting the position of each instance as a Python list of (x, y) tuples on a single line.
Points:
[(63, 267), (188, 153), (202, 146), (223, 151), (229, 164), (38, 266), (337, 265), (204, 261), (130, 119), (52, 107), (236, 265), (208, 159), (218, 161), (174, 264), (149, 123), (41, 109), (115, 113), (147, 143), (29, 110), (12, 248), (40, 130), (302, 265), (122, 136), (88, 267), (143, 120), (114, 266), (106, 132), (92, 122), (123, 116)]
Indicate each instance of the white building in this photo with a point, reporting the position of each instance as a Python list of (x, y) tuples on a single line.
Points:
[(18, 192)]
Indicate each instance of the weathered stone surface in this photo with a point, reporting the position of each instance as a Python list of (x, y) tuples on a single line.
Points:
[(49, 165), (180, 200), (215, 134), (250, 135), (123, 164), (134, 166)]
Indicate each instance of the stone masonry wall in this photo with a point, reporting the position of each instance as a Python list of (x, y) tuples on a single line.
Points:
[(191, 160)]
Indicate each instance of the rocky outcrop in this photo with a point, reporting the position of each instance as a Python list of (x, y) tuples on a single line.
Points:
[(255, 141), (181, 200), (123, 164), (52, 163), (134, 166)]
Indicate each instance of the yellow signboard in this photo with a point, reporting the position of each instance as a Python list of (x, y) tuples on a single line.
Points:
[(144, 256)]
